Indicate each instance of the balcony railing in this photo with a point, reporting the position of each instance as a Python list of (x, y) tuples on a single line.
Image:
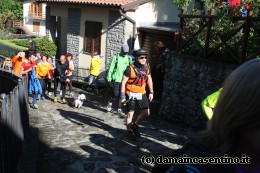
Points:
[(37, 15), (17, 23)]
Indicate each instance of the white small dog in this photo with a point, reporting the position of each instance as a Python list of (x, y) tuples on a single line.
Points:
[(78, 101)]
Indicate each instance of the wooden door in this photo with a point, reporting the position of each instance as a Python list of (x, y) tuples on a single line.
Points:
[(36, 27)]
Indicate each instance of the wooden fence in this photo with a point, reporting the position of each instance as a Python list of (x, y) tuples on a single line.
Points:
[(245, 24), (14, 119)]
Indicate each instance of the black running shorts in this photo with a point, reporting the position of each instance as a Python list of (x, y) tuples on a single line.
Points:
[(141, 104)]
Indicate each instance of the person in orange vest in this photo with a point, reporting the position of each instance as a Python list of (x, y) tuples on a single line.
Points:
[(133, 90)]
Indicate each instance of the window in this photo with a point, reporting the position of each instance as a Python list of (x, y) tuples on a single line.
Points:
[(92, 41), (36, 9)]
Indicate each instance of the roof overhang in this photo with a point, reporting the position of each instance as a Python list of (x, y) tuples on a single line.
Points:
[(134, 5), (126, 7)]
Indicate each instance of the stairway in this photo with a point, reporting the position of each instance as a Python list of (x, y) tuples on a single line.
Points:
[(18, 24)]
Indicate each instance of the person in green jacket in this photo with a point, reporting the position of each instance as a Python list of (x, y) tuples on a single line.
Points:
[(209, 103), (115, 73)]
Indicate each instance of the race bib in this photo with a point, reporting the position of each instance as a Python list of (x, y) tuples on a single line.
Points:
[(135, 96)]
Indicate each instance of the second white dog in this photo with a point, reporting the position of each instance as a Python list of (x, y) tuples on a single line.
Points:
[(78, 101)]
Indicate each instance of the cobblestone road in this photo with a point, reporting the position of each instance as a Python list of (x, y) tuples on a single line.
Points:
[(68, 140)]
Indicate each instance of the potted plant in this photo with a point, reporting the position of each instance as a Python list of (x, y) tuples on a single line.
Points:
[(182, 4), (249, 6)]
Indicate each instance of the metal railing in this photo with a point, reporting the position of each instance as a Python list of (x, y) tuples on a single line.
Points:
[(14, 119)]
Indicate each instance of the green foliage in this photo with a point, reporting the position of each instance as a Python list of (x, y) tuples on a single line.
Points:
[(10, 10), (209, 4), (222, 27), (44, 45), (182, 4), (8, 50), (13, 36), (11, 6), (10, 43), (6, 20), (3, 34), (47, 47)]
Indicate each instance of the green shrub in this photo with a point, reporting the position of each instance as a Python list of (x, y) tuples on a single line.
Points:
[(7, 50), (13, 36), (44, 45)]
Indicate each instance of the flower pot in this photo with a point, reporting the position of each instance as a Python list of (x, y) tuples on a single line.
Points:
[(250, 12), (212, 11)]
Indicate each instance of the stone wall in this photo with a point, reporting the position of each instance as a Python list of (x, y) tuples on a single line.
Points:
[(73, 35), (115, 35), (187, 81)]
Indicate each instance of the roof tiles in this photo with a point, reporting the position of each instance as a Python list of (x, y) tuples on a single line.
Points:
[(94, 2)]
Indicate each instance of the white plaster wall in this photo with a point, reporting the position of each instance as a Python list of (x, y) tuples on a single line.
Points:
[(90, 14), (29, 22), (156, 11), (87, 14)]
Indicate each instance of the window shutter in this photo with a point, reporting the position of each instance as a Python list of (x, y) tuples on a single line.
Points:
[(32, 9), (97, 37), (40, 9), (92, 36)]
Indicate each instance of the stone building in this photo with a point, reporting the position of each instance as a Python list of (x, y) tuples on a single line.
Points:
[(82, 26)]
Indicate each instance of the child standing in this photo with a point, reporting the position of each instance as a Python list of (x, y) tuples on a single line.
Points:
[(69, 71), (94, 70)]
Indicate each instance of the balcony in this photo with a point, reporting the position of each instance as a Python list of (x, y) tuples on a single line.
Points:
[(37, 15)]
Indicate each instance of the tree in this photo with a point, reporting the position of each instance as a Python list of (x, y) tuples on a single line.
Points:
[(11, 6), (9, 10)]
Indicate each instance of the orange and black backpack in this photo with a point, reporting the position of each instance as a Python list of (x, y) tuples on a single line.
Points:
[(140, 76)]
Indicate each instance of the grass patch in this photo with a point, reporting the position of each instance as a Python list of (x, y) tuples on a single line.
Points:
[(11, 44)]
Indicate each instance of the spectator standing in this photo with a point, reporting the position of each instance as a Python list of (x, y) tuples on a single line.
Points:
[(42, 69), (28, 70), (159, 70), (32, 46), (17, 61), (60, 77), (133, 89), (234, 130), (115, 73), (94, 70), (50, 77), (38, 57), (69, 71), (7, 64)]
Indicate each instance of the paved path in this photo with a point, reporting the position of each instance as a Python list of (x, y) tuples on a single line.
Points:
[(91, 140)]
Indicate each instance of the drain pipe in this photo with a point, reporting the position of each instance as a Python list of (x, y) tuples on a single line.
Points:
[(134, 27)]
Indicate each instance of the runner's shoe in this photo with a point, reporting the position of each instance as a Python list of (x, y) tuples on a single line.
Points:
[(63, 101), (121, 113), (134, 127), (109, 106), (35, 106), (131, 135)]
